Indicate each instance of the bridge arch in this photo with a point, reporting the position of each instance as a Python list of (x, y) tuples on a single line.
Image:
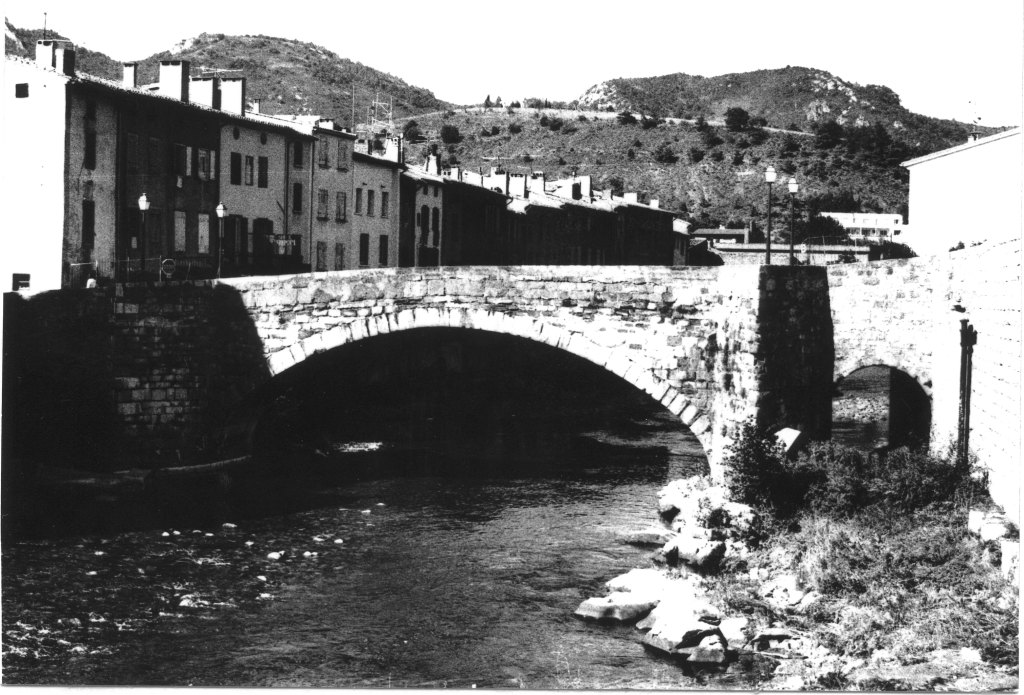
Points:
[(908, 401), (520, 326)]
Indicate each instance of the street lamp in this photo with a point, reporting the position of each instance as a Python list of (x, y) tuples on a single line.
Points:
[(221, 212), (143, 206), (769, 177), (793, 188)]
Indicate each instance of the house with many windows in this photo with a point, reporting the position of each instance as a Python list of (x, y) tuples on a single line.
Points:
[(375, 207)]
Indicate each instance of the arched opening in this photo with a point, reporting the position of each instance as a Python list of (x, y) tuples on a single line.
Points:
[(444, 400), (880, 407)]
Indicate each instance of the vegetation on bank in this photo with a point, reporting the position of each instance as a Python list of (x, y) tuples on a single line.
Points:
[(884, 543)]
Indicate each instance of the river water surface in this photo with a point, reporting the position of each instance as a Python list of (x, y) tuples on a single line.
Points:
[(442, 575)]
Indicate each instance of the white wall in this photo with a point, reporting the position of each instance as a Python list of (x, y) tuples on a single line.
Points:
[(970, 193), (32, 182)]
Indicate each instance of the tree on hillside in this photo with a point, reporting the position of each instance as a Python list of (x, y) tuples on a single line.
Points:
[(736, 119), (497, 102), (411, 131), (487, 102), (665, 155), (450, 134), (827, 134), (626, 118)]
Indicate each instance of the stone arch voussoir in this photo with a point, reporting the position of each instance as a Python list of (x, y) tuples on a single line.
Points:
[(519, 325)]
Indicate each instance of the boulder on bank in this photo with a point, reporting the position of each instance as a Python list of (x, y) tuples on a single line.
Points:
[(618, 606), (682, 620), (696, 551)]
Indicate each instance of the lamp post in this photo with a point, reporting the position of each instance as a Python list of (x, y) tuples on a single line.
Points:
[(143, 206), (769, 177), (793, 188), (221, 212)]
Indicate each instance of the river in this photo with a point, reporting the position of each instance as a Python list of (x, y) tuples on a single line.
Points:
[(455, 573)]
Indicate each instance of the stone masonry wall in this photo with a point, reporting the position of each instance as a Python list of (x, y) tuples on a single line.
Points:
[(687, 337), (132, 375), (906, 314)]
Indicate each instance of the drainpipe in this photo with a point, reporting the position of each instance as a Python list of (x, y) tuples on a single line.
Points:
[(968, 338)]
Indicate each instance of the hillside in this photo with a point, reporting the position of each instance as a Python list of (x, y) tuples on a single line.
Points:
[(790, 97), (288, 76), (713, 173)]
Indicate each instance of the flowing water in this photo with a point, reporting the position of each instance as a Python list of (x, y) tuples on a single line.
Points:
[(454, 572)]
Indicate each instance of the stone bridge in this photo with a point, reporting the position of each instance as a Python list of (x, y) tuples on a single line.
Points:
[(149, 374)]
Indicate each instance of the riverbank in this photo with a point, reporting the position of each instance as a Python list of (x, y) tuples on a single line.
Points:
[(880, 596)]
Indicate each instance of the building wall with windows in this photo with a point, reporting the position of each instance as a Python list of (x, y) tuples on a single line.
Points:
[(332, 245), (872, 226), (254, 176), (374, 230), (90, 212), (32, 204), (427, 193)]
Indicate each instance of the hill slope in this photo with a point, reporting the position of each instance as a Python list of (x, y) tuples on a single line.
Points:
[(288, 76), (785, 97), (714, 174)]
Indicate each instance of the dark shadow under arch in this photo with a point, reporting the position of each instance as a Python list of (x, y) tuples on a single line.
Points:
[(898, 406)]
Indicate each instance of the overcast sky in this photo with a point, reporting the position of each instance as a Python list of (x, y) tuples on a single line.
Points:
[(946, 59)]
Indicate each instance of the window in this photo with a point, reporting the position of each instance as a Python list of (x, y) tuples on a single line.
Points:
[(341, 203), (263, 138), (204, 233), (20, 281), (342, 154), (321, 256), (181, 156), (364, 250), (296, 197), (205, 165), (384, 203), (339, 257), (248, 169), (21, 92), (359, 201), (322, 201), (382, 249), (262, 167), (179, 230), (88, 225), (324, 163), (235, 133), (435, 224), (153, 155), (89, 158), (369, 201), (236, 169), (132, 153), (297, 154)]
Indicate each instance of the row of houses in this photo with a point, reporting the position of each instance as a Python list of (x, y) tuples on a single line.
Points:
[(184, 178)]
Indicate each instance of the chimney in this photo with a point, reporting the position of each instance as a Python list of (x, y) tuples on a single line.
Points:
[(174, 79), (46, 53), (974, 135), (64, 59), (586, 187), (130, 74), (393, 149), (232, 95), (629, 197), (256, 104), (431, 167), (536, 182), (205, 91), (517, 185), (655, 203)]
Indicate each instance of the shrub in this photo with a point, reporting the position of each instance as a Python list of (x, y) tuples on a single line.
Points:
[(555, 124), (527, 158), (696, 154), (736, 118), (630, 154), (450, 134), (514, 128), (737, 159), (758, 136), (665, 155), (717, 156), (753, 466), (626, 118), (581, 118)]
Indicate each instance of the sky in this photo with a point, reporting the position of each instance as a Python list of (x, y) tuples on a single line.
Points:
[(945, 59)]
